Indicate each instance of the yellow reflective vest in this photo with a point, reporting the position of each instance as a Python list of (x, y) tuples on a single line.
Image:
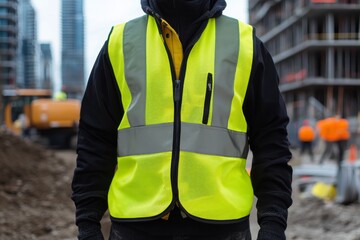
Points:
[(182, 139)]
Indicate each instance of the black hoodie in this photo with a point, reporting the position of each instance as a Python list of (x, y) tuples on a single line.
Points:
[(264, 110)]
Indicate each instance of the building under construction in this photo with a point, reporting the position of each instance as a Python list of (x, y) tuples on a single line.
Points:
[(315, 45)]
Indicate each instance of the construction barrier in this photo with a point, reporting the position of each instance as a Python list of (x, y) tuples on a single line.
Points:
[(348, 183)]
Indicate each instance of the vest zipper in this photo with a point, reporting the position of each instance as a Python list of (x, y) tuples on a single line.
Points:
[(176, 139), (207, 99), (178, 90), (177, 93)]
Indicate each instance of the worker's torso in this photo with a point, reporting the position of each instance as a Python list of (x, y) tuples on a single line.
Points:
[(182, 139)]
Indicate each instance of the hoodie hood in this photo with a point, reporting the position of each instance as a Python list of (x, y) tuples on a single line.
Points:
[(202, 8), (185, 16)]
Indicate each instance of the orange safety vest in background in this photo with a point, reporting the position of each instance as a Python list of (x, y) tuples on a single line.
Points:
[(306, 134), (328, 129), (342, 127)]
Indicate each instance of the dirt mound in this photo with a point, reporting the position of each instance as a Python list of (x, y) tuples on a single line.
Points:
[(34, 192), (312, 218)]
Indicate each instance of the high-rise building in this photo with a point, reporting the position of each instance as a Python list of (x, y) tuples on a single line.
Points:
[(72, 53), (315, 45), (28, 50), (46, 67), (8, 45), (8, 41)]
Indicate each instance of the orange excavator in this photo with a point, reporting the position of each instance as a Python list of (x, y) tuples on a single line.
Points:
[(33, 112)]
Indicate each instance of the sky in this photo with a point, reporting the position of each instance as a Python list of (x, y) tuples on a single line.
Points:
[(100, 16)]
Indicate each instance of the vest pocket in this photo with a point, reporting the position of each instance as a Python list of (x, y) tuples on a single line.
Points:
[(207, 99)]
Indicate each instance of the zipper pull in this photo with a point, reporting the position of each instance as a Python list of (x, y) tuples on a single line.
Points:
[(177, 93), (209, 86)]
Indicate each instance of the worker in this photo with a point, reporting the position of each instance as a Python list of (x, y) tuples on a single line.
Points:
[(306, 135), (173, 103)]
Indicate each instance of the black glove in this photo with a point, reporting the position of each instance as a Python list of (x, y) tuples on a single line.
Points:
[(90, 231)]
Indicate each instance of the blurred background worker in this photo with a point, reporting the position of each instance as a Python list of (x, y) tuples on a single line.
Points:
[(335, 132), (306, 135)]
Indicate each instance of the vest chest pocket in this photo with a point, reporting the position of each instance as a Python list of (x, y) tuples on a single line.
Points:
[(209, 86)]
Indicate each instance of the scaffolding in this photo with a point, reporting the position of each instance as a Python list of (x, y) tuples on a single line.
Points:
[(316, 48)]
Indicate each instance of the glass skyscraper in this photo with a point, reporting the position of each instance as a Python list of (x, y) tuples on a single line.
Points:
[(46, 68), (72, 52), (27, 71), (8, 41), (8, 45)]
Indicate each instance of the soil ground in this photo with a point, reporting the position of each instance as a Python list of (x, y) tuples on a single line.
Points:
[(34, 191), (35, 199)]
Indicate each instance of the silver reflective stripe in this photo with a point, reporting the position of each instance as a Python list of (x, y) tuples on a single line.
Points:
[(145, 139), (212, 140), (135, 68), (199, 139), (226, 58)]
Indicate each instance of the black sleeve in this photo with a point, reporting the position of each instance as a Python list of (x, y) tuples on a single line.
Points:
[(265, 112), (101, 113)]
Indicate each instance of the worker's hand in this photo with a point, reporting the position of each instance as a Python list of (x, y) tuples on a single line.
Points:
[(90, 231), (264, 234)]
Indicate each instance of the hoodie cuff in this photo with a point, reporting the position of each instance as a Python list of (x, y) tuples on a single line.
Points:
[(271, 231), (90, 231)]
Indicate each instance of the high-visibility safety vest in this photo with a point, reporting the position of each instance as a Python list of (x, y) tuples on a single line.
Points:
[(182, 141)]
